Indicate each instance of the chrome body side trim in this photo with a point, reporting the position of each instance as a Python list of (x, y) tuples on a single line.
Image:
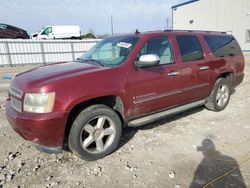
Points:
[(153, 117), (157, 96)]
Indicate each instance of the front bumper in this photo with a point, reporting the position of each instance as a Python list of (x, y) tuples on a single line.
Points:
[(45, 130), (49, 150)]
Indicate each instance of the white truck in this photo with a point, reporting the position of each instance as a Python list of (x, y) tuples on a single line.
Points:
[(58, 32)]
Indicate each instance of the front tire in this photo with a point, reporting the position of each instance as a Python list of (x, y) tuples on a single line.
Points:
[(95, 133), (220, 96)]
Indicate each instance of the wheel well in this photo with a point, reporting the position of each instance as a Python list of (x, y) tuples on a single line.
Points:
[(113, 102), (227, 75)]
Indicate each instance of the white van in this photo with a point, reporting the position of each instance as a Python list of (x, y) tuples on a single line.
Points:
[(58, 32)]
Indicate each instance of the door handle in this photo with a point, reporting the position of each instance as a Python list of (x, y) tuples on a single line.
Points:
[(204, 68), (174, 73)]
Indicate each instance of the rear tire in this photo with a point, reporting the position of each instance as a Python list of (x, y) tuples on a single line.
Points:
[(95, 133), (220, 96)]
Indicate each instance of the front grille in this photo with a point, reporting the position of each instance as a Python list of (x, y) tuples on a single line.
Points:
[(15, 99), (16, 92), (17, 105)]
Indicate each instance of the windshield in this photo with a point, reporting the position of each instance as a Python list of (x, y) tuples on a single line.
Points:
[(111, 51)]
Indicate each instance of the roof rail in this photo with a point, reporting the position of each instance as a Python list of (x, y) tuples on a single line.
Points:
[(177, 30), (153, 31), (203, 31)]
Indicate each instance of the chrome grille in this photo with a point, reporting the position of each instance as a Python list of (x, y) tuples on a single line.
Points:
[(16, 94), (17, 105)]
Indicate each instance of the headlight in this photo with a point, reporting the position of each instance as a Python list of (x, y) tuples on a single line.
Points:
[(39, 102)]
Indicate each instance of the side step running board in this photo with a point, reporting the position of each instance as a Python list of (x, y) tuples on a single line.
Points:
[(154, 117)]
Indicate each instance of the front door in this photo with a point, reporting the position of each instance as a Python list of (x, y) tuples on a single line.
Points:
[(154, 88), (46, 33)]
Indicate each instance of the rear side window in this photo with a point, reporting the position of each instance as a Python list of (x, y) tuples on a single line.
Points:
[(190, 48), (13, 28), (223, 46)]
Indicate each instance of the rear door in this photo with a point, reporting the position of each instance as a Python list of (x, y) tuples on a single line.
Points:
[(13, 31), (154, 88), (194, 68)]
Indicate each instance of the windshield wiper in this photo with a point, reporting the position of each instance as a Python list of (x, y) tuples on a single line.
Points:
[(91, 61), (96, 62)]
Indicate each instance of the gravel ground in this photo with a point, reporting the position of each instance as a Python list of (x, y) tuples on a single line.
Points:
[(186, 150)]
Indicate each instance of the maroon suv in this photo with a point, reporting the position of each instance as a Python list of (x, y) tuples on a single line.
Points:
[(123, 80)]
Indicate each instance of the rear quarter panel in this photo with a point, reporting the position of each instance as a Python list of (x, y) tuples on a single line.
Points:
[(222, 65)]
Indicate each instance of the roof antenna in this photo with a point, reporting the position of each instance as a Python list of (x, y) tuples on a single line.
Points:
[(137, 32)]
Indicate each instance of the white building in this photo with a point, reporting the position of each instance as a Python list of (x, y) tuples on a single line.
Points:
[(232, 16)]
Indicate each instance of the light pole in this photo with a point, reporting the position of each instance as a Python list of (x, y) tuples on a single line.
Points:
[(167, 23), (112, 25)]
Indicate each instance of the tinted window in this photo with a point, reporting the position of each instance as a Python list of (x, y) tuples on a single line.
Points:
[(3, 26), (13, 28), (190, 48), (223, 46), (159, 46)]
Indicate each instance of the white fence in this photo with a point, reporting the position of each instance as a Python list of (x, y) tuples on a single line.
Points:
[(20, 52)]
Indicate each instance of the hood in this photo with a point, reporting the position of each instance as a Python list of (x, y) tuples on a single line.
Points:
[(43, 75)]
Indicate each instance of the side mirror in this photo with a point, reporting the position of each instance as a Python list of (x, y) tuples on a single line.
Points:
[(35, 35), (148, 60)]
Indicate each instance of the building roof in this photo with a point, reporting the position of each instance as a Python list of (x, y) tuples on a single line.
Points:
[(182, 4)]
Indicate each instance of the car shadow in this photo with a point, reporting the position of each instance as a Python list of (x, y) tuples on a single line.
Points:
[(217, 170), (129, 132)]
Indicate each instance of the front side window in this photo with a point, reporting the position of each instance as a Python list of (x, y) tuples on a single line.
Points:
[(111, 51), (47, 31), (190, 48), (223, 46), (159, 46)]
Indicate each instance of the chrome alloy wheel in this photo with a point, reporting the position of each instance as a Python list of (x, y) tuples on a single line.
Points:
[(222, 95), (98, 134)]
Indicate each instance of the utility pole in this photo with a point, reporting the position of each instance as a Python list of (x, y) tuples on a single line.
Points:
[(112, 26), (167, 22)]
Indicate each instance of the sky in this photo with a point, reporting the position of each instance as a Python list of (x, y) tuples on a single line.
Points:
[(94, 15)]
